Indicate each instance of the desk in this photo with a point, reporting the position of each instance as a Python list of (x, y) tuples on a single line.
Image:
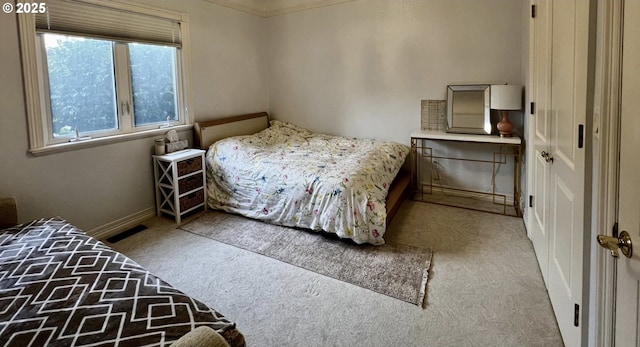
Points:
[(507, 147)]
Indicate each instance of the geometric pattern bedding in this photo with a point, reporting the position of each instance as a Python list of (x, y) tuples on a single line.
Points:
[(287, 175), (61, 287)]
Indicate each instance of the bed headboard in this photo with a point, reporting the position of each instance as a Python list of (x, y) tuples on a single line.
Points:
[(208, 132)]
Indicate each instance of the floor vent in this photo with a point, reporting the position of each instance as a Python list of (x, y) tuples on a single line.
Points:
[(123, 235)]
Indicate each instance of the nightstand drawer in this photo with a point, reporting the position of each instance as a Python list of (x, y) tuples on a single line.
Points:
[(189, 165), (189, 183), (191, 200)]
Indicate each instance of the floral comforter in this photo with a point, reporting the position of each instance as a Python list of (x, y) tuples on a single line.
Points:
[(289, 176)]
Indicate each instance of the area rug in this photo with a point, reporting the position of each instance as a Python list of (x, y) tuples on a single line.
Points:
[(399, 271)]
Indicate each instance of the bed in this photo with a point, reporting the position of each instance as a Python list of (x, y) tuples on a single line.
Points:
[(61, 287), (280, 173)]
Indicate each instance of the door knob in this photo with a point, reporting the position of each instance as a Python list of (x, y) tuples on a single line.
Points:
[(547, 157), (622, 242)]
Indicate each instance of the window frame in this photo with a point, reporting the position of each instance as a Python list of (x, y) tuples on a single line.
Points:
[(38, 105)]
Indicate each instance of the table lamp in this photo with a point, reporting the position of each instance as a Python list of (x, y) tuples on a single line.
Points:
[(505, 98)]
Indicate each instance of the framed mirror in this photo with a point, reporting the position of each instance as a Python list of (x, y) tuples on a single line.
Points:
[(468, 109)]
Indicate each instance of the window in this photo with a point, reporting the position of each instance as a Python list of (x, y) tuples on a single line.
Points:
[(153, 80), (83, 76), (101, 71), (82, 92)]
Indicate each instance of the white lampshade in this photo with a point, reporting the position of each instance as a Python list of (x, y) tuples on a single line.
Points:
[(506, 97)]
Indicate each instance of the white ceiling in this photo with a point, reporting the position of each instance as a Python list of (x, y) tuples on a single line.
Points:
[(269, 8)]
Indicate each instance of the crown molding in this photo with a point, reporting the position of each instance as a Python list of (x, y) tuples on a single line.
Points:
[(275, 8), (237, 6)]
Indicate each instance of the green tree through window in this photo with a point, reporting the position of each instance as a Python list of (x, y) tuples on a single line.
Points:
[(81, 84), (153, 83), (89, 78)]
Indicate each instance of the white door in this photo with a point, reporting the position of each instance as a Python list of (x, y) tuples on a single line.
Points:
[(540, 133), (627, 308), (569, 99), (559, 83)]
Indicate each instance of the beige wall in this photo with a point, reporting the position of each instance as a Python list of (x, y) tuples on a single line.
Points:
[(95, 186), (362, 67), (357, 69)]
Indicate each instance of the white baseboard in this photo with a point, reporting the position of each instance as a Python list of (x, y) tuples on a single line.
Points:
[(122, 224)]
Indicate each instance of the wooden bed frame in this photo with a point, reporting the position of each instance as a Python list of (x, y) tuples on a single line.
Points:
[(208, 132)]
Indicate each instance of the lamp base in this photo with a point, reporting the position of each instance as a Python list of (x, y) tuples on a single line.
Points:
[(504, 125)]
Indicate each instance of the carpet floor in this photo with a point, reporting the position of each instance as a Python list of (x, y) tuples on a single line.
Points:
[(485, 287), (397, 270)]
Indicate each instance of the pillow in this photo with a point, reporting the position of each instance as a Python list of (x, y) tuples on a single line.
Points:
[(287, 125), (201, 337)]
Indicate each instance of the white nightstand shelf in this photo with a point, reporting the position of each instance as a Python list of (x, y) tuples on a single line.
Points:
[(180, 182)]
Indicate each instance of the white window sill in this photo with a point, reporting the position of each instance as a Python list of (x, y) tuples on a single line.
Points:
[(100, 141)]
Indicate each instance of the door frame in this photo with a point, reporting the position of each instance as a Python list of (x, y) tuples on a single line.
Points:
[(609, 72)]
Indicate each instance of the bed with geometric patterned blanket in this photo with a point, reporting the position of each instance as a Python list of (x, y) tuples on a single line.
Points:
[(61, 287)]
